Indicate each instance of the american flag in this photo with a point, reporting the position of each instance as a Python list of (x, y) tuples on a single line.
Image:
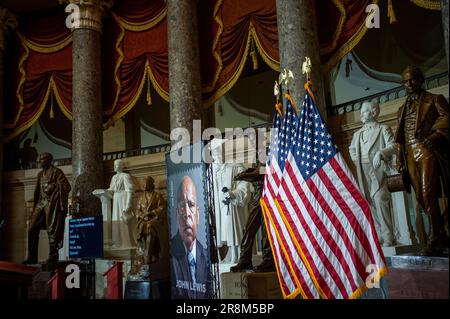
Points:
[(292, 273), (318, 218)]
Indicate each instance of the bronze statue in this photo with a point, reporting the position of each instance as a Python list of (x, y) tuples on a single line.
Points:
[(49, 209), (254, 222), (422, 137), (151, 227)]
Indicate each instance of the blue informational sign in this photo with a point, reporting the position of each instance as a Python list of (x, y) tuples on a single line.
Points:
[(86, 237)]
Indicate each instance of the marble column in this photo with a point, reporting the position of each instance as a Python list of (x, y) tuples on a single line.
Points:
[(298, 38), (87, 134), (444, 10), (184, 64), (8, 21)]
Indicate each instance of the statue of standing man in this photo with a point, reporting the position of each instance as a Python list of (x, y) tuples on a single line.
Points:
[(49, 209), (231, 203), (422, 136), (371, 151), (151, 228), (122, 219)]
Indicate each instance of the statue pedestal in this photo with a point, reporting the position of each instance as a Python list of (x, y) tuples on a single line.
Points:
[(400, 249), (105, 197), (417, 277), (250, 285)]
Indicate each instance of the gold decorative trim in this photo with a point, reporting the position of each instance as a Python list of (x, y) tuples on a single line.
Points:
[(288, 96), (23, 73), (46, 48), (363, 288), (308, 88), (346, 48), (274, 64), (298, 288), (124, 25), (279, 108), (119, 51), (160, 90), (62, 106), (133, 101), (51, 88), (428, 4), (31, 121), (328, 48), (147, 73), (136, 27), (218, 20), (233, 79)]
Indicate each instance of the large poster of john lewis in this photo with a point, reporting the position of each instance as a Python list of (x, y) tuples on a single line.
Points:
[(189, 235)]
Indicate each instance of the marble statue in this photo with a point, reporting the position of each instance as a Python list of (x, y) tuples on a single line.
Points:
[(119, 217), (372, 149), (231, 203), (423, 139)]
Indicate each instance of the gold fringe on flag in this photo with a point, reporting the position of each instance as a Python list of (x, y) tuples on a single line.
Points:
[(391, 13), (279, 108)]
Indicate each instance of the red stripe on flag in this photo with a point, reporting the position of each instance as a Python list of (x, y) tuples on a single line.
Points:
[(335, 248), (316, 273), (351, 188), (296, 269), (340, 228), (320, 252)]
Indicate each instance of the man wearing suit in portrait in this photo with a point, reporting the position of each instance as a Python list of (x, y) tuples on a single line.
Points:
[(190, 271)]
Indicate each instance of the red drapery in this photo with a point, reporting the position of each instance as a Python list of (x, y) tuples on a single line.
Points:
[(43, 70), (141, 55), (134, 52)]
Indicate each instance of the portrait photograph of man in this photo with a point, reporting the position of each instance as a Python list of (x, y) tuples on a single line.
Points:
[(190, 260)]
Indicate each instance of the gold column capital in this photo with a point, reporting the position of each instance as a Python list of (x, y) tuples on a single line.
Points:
[(86, 14), (8, 21)]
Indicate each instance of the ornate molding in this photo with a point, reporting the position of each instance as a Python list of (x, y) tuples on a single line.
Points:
[(8, 21), (86, 14)]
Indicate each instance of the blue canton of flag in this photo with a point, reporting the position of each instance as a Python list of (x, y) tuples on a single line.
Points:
[(273, 148), (287, 133), (313, 145)]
